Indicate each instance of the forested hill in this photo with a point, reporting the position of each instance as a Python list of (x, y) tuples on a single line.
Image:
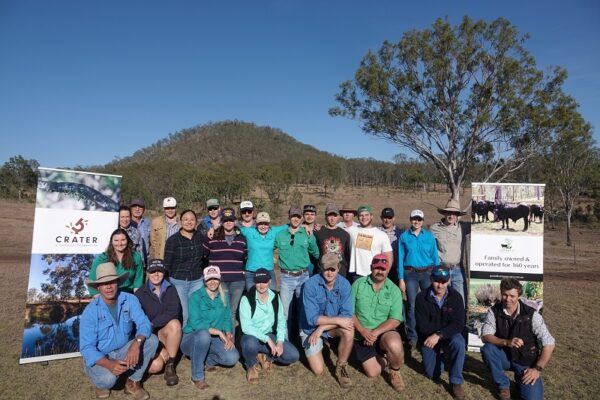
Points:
[(229, 141)]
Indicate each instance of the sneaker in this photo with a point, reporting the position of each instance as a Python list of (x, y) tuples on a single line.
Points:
[(102, 393), (170, 375), (252, 375), (136, 390), (396, 380), (201, 384), (265, 364), (458, 391), (341, 373), (504, 394)]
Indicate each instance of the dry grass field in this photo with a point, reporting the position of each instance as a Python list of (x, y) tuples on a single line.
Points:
[(571, 299)]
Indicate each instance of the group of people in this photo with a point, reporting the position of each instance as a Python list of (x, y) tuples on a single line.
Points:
[(209, 292)]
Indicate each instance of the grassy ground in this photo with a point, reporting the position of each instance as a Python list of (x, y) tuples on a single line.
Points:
[(570, 295)]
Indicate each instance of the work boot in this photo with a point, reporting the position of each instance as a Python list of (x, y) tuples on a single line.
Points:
[(102, 393), (341, 373), (458, 391), (135, 389), (396, 380), (170, 376), (201, 384), (252, 374), (265, 364), (504, 394)]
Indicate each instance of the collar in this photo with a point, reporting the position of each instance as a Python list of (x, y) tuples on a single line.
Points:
[(516, 313)]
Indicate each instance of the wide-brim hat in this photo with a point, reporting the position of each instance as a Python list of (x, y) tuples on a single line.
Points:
[(106, 272), (452, 206), (347, 208)]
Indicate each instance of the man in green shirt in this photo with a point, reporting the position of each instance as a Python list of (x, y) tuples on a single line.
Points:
[(377, 304), (294, 247)]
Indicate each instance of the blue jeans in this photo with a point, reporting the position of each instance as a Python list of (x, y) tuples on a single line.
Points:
[(497, 362), (454, 354), (234, 291), (457, 274), (251, 346), (414, 281), (203, 348), (250, 280), (291, 286), (185, 290), (102, 378)]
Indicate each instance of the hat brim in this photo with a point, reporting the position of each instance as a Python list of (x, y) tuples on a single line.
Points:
[(446, 210), (106, 279)]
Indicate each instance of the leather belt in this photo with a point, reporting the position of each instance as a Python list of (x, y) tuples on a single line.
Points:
[(418, 270), (450, 266), (293, 273)]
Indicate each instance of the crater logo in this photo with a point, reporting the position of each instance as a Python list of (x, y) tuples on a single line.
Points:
[(77, 226)]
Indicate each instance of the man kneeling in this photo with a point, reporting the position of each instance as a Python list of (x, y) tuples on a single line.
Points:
[(264, 328), (327, 313), (440, 315), (378, 312), (108, 341)]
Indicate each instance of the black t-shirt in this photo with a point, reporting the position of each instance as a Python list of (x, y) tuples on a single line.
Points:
[(335, 241)]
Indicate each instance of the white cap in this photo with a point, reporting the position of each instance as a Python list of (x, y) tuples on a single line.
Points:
[(212, 272), (246, 205), (417, 213), (169, 202)]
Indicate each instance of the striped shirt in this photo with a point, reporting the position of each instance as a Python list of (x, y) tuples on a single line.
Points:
[(229, 255)]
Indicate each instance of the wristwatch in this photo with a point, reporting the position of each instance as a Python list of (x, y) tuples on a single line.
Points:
[(539, 368), (139, 340)]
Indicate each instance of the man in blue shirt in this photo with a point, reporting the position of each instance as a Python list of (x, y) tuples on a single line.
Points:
[(327, 313), (108, 341)]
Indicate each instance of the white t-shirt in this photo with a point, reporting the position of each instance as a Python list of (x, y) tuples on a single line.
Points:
[(366, 244)]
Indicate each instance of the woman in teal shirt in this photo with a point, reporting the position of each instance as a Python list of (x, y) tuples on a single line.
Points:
[(207, 336), (261, 241), (120, 252)]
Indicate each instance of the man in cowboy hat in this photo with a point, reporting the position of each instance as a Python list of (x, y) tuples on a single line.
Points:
[(452, 241), (115, 336)]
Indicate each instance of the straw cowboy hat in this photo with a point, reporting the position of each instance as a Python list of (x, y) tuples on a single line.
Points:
[(452, 206), (106, 272)]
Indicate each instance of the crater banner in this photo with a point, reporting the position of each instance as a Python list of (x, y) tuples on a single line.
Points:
[(507, 239), (74, 216)]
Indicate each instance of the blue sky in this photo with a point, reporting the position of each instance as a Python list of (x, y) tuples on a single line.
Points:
[(82, 82)]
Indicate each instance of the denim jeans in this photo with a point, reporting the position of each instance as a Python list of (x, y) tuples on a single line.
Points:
[(497, 362), (454, 356), (251, 346), (250, 280), (203, 348), (457, 275), (414, 281), (234, 291), (185, 290), (102, 378), (291, 286)]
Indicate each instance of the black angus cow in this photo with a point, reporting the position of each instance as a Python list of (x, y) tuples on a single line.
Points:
[(536, 211), (512, 211), (480, 210)]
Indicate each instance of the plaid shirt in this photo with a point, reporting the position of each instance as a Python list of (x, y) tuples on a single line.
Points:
[(183, 256)]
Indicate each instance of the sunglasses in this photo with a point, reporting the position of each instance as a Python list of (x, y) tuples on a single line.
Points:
[(170, 208), (246, 211), (292, 236), (213, 208), (416, 219)]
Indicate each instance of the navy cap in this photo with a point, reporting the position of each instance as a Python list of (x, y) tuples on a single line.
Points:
[(440, 274), (261, 275)]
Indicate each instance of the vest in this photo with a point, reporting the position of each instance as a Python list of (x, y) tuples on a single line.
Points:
[(521, 327), (251, 296)]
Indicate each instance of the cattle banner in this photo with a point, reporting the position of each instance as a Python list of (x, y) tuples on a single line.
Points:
[(74, 216), (507, 239)]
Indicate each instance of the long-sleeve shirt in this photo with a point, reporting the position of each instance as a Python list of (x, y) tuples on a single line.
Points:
[(294, 254), (100, 333), (183, 256), (205, 313), (144, 228), (540, 330), (318, 300), (260, 247), (416, 251), (229, 257), (160, 309), (134, 280), (261, 323), (447, 319)]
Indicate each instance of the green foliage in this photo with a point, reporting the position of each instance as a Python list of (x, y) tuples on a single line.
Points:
[(456, 96), (18, 178)]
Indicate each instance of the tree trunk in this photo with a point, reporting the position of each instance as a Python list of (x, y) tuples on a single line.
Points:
[(568, 227)]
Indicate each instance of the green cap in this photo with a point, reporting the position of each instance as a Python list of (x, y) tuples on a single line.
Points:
[(364, 208)]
